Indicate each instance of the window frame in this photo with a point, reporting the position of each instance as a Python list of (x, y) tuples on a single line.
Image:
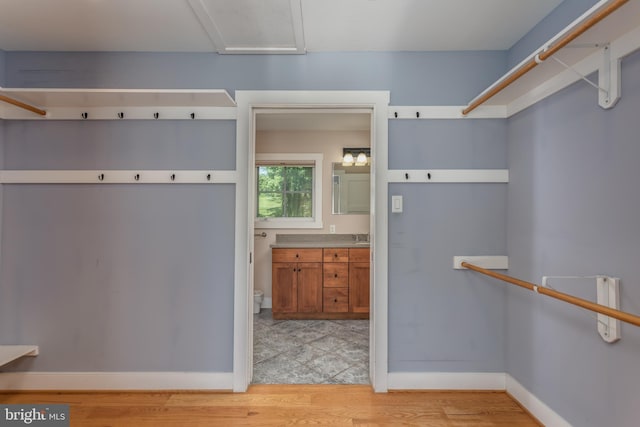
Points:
[(315, 221)]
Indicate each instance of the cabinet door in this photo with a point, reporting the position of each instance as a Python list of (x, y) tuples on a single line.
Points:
[(359, 287), (284, 287), (310, 287)]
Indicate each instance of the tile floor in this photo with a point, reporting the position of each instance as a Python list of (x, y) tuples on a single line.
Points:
[(309, 351)]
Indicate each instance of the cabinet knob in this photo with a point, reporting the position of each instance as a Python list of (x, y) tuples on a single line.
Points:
[(335, 300), (335, 275), (335, 255), (297, 256)]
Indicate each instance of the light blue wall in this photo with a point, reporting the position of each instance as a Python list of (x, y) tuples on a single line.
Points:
[(110, 269), (126, 144), (574, 209), (431, 78), (2, 56), (119, 277), (555, 22), (442, 319)]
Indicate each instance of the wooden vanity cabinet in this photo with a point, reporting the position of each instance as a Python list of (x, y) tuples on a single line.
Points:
[(335, 284), (296, 278), (323, 283), (359, 268)]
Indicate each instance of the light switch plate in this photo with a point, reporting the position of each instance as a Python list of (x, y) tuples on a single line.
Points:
[(396, 204)]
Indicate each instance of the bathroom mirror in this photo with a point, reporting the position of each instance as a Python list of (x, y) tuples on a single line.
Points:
[(350, 189)]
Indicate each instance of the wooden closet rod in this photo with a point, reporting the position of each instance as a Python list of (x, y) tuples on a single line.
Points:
[(598, 308), (546, 53), (22, 105)]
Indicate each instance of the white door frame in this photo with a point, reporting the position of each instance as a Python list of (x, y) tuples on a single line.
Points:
[(247, 101)]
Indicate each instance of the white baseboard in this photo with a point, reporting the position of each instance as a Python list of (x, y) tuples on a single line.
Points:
[(477, 381), (116, 381), (535, 406), (447, 381)]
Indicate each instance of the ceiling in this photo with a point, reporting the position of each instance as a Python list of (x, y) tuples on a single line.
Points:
[(267, 26)]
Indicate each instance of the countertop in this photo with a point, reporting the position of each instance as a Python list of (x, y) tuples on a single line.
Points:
[(321, 245), (321, 241)]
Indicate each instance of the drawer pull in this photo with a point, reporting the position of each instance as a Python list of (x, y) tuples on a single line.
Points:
[(335, 300), (335, 275)]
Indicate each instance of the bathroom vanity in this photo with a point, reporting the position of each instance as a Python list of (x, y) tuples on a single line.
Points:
[(320, 279)]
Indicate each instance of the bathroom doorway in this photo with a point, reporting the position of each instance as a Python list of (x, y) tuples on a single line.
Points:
[(315, 349), (247, 103)]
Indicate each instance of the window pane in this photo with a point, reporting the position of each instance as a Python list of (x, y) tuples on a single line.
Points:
[(299, 205), (270, 178), (270, 205), (299, 178), (284, 192)]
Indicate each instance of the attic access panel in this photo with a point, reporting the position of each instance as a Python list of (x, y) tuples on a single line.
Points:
[(252, 26)]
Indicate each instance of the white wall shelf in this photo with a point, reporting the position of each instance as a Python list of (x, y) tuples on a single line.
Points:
[(599, 48), (120, 104), (9, 353)]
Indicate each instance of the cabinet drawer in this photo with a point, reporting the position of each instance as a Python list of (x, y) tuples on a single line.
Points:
[(336, 275), (296, 255), (335, 300), (336, 255), (359, 254)]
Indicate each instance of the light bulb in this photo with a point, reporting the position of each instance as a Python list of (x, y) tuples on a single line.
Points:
[(347, 160), (361, 160)]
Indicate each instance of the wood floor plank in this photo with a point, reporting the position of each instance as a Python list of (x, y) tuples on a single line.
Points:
[(282, 405)]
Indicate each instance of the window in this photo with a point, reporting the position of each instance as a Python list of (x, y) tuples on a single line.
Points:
[(285, 191), (288, 191)]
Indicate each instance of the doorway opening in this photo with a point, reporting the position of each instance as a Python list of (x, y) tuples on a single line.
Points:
[(313, 327), (248, 102)]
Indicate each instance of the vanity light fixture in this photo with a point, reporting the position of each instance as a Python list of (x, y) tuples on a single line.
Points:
[(349, 156), (347, 159)]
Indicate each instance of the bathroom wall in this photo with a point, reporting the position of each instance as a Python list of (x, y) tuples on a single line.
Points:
[(330, 144)]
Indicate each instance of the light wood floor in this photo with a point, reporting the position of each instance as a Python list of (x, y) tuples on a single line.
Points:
[(281, 405)]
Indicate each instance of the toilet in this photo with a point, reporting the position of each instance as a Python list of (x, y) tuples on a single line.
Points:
[(257, 300)]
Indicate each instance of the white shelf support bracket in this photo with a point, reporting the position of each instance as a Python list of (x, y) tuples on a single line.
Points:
[(490, 262), (608, 295), (609, 79)]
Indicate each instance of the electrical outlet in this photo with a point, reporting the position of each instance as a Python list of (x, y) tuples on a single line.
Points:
[(332, 229)]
